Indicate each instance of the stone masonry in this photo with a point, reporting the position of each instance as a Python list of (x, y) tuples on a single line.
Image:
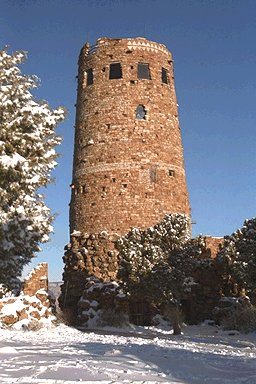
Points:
[(128, 162), (36, 280), (128, 167), (33, 307), (213, 245)]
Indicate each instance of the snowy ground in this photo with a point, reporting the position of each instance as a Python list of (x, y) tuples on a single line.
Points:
[(66, 355)]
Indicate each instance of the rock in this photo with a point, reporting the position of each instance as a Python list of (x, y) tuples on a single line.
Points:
[(22, 314), (35, 314), (9, 319)]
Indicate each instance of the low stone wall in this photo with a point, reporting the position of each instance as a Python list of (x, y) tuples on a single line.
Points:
[(36, 280), (33, 307)]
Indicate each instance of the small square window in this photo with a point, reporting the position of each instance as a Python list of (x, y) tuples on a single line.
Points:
[(164, 76), (115, 71), (89, 76), (143, 71), (171, 172)]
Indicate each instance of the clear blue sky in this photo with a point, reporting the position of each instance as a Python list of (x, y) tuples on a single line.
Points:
[(213, 44)]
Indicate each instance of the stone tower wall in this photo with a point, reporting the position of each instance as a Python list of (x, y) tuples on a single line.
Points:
[(128, 172)]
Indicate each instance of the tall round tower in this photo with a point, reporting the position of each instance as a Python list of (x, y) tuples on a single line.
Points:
[(128, 161)]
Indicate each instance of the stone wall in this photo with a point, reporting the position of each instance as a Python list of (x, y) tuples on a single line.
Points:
[(33, 307), (103, 304), (87, 255), (37, 279), (213, 245)]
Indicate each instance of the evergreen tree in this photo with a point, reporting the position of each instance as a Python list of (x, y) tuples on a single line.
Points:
[(175, 276), (238, 261), (164, 267), (27, 157), (140, 250)]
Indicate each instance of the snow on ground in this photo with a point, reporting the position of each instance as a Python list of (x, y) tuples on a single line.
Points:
[(147, 355)]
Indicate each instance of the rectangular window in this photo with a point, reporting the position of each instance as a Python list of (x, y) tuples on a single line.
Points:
[(171, 172), (164, 76), (89, 76), (115, 71), (153, 175), (143, 71)]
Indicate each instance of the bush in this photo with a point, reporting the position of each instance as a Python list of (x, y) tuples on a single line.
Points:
[(234, 313), (243, 320)]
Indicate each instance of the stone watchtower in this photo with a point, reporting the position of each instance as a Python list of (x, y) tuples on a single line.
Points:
[(128, 161)]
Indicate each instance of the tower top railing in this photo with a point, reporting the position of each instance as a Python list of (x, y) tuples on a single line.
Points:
[(132, 43), (92, 49)]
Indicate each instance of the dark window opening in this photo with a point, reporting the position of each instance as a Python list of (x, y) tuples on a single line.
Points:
[(153, 175), (132, 81), (115, 71), (124, 185), (108, 126), (131, 66), (103, 69), (103, 189), (113, 180), (128, 51), (164, 76), (143, 71), (89, 76), (141, 112), (171, 172)]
